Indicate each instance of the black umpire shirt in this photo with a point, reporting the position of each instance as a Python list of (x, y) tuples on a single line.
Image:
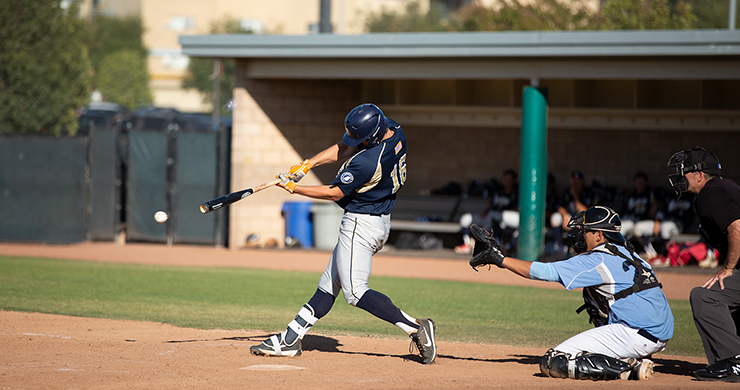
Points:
[(718, 205)]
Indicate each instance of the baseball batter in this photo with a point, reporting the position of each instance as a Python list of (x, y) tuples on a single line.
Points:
[(365, 187), (637, 320)]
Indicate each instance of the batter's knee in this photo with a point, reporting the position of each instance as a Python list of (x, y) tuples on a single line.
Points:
[(352, 297)]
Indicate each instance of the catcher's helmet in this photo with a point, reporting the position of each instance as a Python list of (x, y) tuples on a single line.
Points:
[(695, 159), (364, 122), (595, 218)]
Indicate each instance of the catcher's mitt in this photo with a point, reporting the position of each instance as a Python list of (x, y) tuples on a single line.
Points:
[(487, 249)]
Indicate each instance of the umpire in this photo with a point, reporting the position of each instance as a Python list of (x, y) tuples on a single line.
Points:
[(717, 205), (623, 298)]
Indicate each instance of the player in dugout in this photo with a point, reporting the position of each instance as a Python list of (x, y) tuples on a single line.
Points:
[(622, 294), (365, 187)]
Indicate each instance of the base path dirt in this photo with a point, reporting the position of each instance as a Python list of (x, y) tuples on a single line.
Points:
[(61, 352)]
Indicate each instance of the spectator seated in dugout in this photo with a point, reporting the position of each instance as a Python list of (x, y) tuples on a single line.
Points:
[(502, 213)]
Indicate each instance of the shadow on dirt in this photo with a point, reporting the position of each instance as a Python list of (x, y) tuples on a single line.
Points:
[(328, 344), (676, 367)]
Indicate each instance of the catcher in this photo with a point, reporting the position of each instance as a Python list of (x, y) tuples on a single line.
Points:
[(630, 312)]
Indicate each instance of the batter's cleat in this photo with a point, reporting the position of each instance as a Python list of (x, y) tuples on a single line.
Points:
[(275, 346), (424, 340), (725, 370)]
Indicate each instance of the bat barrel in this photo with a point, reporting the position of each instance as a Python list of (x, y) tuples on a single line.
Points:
[(205, 208)]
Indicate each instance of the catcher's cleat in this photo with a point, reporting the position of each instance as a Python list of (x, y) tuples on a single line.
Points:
[(424, 340), (275, 346), (643, 370)]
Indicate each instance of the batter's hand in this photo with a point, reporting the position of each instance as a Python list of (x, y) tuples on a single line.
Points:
[(298, 171), (286, 182), (718, 277)]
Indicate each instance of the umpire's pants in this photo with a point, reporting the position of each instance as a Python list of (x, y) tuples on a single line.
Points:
[(713, 311)]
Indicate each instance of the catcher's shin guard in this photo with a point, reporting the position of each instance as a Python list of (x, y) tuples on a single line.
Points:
[(585, 365), (555, 364)]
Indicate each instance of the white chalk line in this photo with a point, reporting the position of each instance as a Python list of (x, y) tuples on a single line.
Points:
[(272, 367)]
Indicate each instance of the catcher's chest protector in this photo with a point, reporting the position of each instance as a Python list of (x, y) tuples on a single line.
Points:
[(596, 303)]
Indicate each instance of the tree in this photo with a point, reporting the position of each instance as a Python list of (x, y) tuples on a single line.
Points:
[(712, 14), (646, 15), (413, 20), (109, 35), (200, 70), (45, 72), (123, 78), (542, 15), (118, 58), (512, 15)]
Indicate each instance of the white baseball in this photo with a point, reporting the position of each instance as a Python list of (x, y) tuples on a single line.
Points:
[(160, 216)]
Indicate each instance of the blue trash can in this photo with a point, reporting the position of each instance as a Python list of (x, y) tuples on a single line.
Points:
[(298, 223)]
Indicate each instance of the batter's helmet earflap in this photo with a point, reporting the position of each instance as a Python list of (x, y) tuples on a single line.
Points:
[(600, 218), (365, 122), (696, 159)]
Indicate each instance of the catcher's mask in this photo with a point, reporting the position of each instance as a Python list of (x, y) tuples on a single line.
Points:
[(595, 218), (685, 161)]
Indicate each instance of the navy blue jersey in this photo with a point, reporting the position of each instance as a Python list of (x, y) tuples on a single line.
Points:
[(371, 177)]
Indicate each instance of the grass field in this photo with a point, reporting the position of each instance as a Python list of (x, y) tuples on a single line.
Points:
[(239, 298)]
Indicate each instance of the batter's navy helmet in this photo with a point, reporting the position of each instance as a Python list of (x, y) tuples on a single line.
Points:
[(595, 218), (364, 122)]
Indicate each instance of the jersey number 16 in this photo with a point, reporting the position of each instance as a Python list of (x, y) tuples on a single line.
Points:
[(399, 174)]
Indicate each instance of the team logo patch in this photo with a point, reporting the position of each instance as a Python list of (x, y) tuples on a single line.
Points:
[(398, 147), (346, 178)]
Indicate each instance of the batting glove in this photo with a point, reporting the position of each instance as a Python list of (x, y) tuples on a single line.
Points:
[(296, 172), (286, 182)]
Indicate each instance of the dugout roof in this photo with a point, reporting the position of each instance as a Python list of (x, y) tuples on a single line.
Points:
[(679, 54)]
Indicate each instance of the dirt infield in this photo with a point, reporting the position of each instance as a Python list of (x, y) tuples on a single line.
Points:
[(55, 352)]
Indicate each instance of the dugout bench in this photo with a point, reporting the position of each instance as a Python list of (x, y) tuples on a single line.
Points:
[(434, 214)]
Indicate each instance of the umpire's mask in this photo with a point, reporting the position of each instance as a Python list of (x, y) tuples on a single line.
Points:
[(696, 159)]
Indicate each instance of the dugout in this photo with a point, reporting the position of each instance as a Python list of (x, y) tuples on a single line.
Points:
[(619, 102)]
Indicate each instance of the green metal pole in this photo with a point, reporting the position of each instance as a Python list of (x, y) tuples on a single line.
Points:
[(532, 186)]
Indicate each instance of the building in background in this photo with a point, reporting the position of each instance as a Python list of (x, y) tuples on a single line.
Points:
[(165, 20)]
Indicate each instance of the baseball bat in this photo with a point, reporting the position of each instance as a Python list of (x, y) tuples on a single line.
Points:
[(221, 201)]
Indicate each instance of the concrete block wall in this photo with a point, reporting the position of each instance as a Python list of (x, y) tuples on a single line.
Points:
[(278, 123)]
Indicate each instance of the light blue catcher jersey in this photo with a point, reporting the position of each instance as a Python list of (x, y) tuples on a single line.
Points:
[(371, 177), (646, 309)]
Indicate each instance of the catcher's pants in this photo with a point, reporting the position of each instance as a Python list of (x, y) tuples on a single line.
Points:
[(360, 237), (613, 340)]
